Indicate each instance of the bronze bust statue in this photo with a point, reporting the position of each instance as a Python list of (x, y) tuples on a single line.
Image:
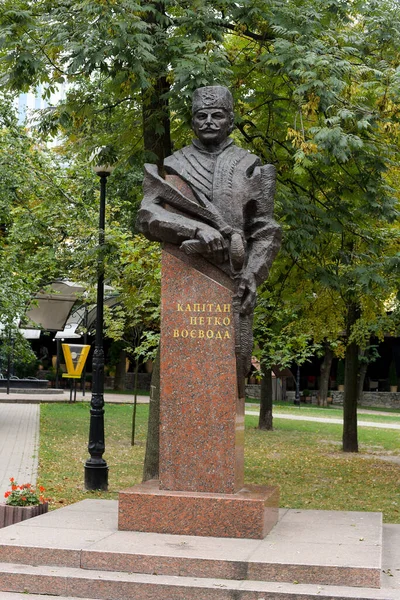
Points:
[(216, 200)]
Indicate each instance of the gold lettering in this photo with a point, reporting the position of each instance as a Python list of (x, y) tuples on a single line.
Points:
[(201, 334), (198, 307), (213, 322)]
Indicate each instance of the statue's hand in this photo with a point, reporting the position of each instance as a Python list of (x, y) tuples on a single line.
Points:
[(215, 244), (246, 291)]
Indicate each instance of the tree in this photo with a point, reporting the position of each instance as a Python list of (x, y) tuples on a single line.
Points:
[(316, 86), (334, 196)]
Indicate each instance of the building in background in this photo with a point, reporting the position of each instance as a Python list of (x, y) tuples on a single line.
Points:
[(27, 103)]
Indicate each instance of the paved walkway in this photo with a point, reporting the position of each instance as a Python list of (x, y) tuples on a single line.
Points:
[(334, 420), (19, 436), (51, 396)]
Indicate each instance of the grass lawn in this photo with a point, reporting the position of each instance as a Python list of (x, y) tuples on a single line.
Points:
[(64, 430), (303, 458)]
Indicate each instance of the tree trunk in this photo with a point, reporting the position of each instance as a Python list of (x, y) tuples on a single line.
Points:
[(120, 372), (151, 460), (157, 146), (324, 376), (265, 418), (350, 437), (135, 387), (361, 377), (155, 112)]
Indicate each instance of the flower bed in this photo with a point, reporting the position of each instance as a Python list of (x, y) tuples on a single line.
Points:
[(14, 514), (22, 502)]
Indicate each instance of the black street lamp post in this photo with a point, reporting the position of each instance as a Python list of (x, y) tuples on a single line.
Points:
[(96, 469), (58, 353)]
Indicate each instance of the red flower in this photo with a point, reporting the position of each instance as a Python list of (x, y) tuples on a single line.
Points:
[(14, 487), (12, 479), (41, 488), (7, 494)]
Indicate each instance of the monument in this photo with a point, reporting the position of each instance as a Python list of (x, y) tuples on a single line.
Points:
[(213, 210), (211, 266)]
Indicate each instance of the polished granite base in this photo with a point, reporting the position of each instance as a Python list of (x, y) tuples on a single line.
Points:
[(250, 513)]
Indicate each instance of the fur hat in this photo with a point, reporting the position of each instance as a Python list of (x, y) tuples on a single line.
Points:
[(212, 96)]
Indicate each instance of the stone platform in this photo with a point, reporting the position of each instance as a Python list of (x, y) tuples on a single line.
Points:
[(77, 551), (250, 513)]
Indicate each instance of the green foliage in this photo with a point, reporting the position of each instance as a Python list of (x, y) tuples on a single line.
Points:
[(14, 346), (26, 366), (40, 203), (148, 346), (322, 104), (316, 90)]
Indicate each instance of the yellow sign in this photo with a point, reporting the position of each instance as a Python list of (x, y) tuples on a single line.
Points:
[(75, 357)]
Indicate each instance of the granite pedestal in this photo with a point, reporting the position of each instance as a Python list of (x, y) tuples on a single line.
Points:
[(201, 489)]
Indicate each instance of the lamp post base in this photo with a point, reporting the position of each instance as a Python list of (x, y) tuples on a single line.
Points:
[(96, 476)]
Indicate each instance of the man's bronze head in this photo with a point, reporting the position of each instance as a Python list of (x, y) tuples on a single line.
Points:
[(212, 112)]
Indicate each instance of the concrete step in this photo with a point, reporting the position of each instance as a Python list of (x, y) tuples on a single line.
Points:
[(324, 547), (78, 552), (67, 582)]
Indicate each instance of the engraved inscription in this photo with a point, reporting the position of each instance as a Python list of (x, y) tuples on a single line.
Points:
[(207, 326), (203, 307)]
